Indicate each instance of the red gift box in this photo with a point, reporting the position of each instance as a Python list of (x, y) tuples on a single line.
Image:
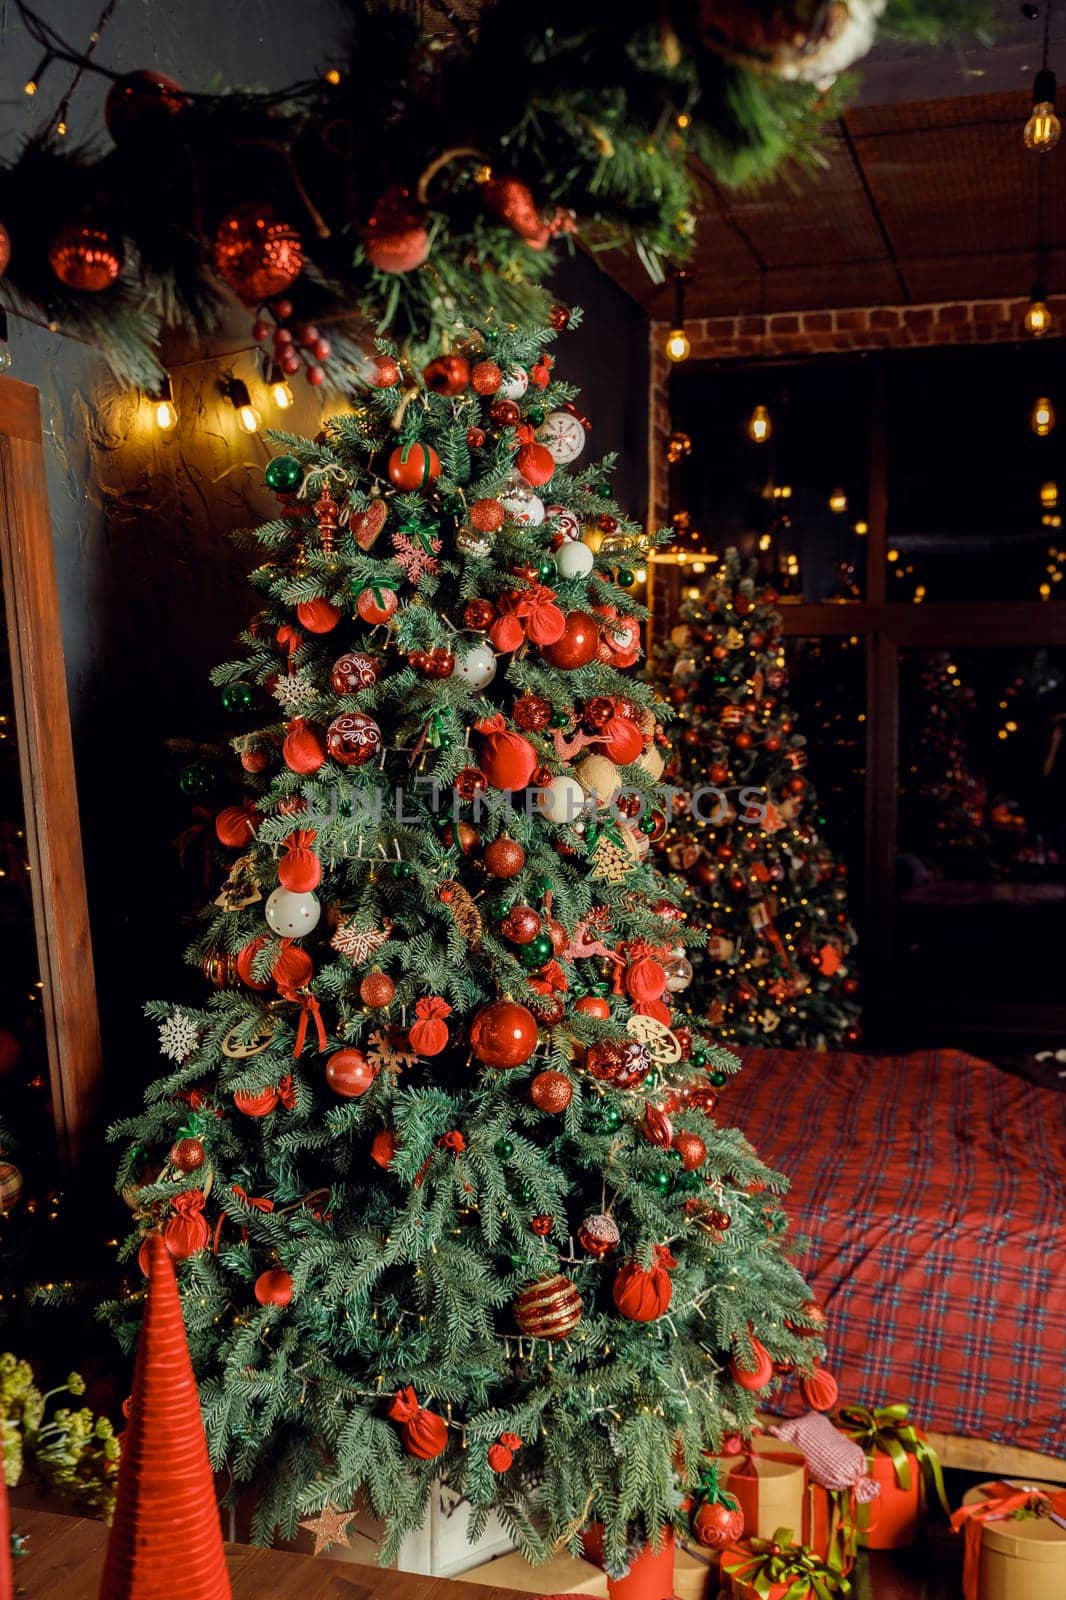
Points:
[(832, 1531), (771, 1569), (899, 1459)]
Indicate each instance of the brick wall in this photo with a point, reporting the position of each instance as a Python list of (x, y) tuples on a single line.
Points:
[(816, 333)]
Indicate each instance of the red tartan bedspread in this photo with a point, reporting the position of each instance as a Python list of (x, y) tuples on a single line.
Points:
[(931, 1190)]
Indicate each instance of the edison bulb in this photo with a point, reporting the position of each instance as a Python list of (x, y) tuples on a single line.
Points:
[(1042, 417), (838, 502), (759, 425), (1043, 128), (281, 395), (678, 345), (1038, 318), (248, 419), (166, 415)]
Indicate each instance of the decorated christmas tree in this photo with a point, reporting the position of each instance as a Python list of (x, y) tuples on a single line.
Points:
[(439, 1168), (773, 964)]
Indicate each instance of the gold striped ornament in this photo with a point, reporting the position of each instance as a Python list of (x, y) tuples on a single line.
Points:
[(548, 1309)]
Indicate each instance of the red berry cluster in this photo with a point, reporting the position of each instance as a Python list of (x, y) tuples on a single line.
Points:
[(295, 345)]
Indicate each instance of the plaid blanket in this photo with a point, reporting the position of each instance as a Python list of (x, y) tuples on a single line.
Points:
[(930, 1189)]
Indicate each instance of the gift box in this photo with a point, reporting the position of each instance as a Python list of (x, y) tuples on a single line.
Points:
[(769, 1483), (560, 1575), (778, 1569), (1015, 1537), (831, 1525), (901, 1461)]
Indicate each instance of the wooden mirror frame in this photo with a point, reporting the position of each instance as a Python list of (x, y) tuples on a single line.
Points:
[(46, 764)]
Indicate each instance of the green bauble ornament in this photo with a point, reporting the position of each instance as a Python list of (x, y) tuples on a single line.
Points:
[(651, 1082), (522, 1192), (625, 578), (661, 1180), (542, 886), (402, 869), (195, 779), (648, 822), (546, 571), (452, 505), (283, 474), (560, 719), (537, 952), (535, 415), (504, 1149), (718, 1078), (604, 491), (237, 697)]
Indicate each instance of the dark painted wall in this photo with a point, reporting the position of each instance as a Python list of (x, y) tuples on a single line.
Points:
[(151, 591)]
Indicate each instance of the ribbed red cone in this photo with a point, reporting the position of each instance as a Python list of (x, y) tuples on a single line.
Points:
[(7, 1585), (166, 1539)]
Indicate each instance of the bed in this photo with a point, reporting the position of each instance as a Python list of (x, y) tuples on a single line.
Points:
[(930, 1191)]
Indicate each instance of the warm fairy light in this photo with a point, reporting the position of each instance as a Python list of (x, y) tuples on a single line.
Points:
[(236, 391), (30, 86), (838, 502), (678, 345), (641, 574), (683, 120), (281, 394), (1045, 591), (248, 419), (765, 541), (333, 77), (862, 529), (919, 594), (1038, 318), (692, 594), (61, 129), (1051, 519), (892, 555), (1049, 494), (1042, 417), (699, 566), (166, 412), (782, 491), (759, 425), (1043, 129)]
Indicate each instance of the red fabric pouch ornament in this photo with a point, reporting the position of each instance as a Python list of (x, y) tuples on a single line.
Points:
[(507, 759), (299, 868), (429, 1034), (318, 615), (527, 614), (186, 1231), (642, 1294), (622, 740), (424, 1434), (820, 1389), (235, 826), (303, 750), (756, 1372), (646, 984)]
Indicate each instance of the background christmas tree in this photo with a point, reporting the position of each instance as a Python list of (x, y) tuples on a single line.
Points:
[(774, 965), (444, 1181)]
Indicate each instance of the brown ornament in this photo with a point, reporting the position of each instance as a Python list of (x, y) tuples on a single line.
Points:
[(598, 1235), (220, 968), (551, 1091), (257, 253), (463, 834), (504, 857), (548, 1309), (86, 257), (542, 1226), (377, 989)]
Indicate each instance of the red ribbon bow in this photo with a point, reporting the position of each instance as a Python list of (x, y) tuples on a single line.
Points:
[(291, 638), (1002, 1503), (549, 979), (527, 614), (309, 1007), (452, 1141)]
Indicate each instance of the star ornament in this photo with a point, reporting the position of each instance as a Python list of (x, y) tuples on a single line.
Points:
[(330, 1527)]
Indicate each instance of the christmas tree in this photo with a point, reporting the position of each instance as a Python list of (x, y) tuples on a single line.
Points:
[(441, 1174), (763, 886)]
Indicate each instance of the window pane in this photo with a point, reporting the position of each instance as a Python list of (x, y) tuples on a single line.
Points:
[(827, 691)]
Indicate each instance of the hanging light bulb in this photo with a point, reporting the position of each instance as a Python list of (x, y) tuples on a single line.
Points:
[(1038, 318), (1049, 494), (1043, 128), (838, 502), (1042, 417), (678, 346), (280, 392), (759, 425), (236, 391), (166, 412)]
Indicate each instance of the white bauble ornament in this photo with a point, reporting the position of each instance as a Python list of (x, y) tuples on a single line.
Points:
[(513, 384), (574, 559), (522, 504), (562, 436), (652, 762), (563, 800), (477, 667), (566, 524), (678, 974), (291, 914), (600, 776)]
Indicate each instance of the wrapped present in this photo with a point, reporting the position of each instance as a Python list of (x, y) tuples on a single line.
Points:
[(779, 1569), (839, 1485), (901, 1460), (1015, 1541), (832, 1525), (769, 1481)]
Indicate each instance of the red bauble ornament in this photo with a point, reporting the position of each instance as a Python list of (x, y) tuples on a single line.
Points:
[(86, 257), (447, 374), (414, 465), (577, 645), (598, 1235), (475, 438), (257, 253), (536, 464), (354, 672), (319, 615), (691, 1148), (256, 1102), (548, 1309), (551, 1091), (245, 958), (512, 202), (384, 372), (353, 739), (376, 604), (274, 1287), (521, 925), (349, 1073), (479, 615), (504, 858), (486, 516), (716, 1525), (188, 1155), (506, 414), (463, 834), (486, 377), (377, 989), (304, 750), (756, 1370), (234, 827), (397, 239), (541, 1226), (142, 103), (508, 760), (253, 760), (642, 1294), (532, 712), (383, 1148), (503, 1034), (811, 1312), (593, 1006)]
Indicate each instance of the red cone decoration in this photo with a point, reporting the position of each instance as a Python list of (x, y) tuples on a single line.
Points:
[(166, 1539)]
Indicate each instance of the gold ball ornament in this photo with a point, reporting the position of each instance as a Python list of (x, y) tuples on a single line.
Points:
[(599, 776), (548, 1309), (652, 762), (11, 1188), (220, 968)]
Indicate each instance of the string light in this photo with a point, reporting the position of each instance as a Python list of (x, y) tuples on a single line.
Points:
[(759, 425), (166, 412), (1042, 417), (1049, 494), (280, 392), (838, 502), (862, 529), (236, 392), (1038, 318), (678, 345), (1043, 129)]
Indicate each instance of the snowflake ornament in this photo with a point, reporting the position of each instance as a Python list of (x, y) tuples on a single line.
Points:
[(389, 1049), (359, 944), (178, 1036), (294, 693), (416, 560)]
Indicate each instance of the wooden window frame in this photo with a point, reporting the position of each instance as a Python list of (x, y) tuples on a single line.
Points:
[(46, 764)]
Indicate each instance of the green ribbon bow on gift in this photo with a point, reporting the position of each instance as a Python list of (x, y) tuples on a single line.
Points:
[(778, 1560), (886, 1428)]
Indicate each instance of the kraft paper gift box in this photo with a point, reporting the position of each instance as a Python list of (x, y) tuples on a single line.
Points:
[(1015, 1533), (769, 1484), (560, 1575)]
